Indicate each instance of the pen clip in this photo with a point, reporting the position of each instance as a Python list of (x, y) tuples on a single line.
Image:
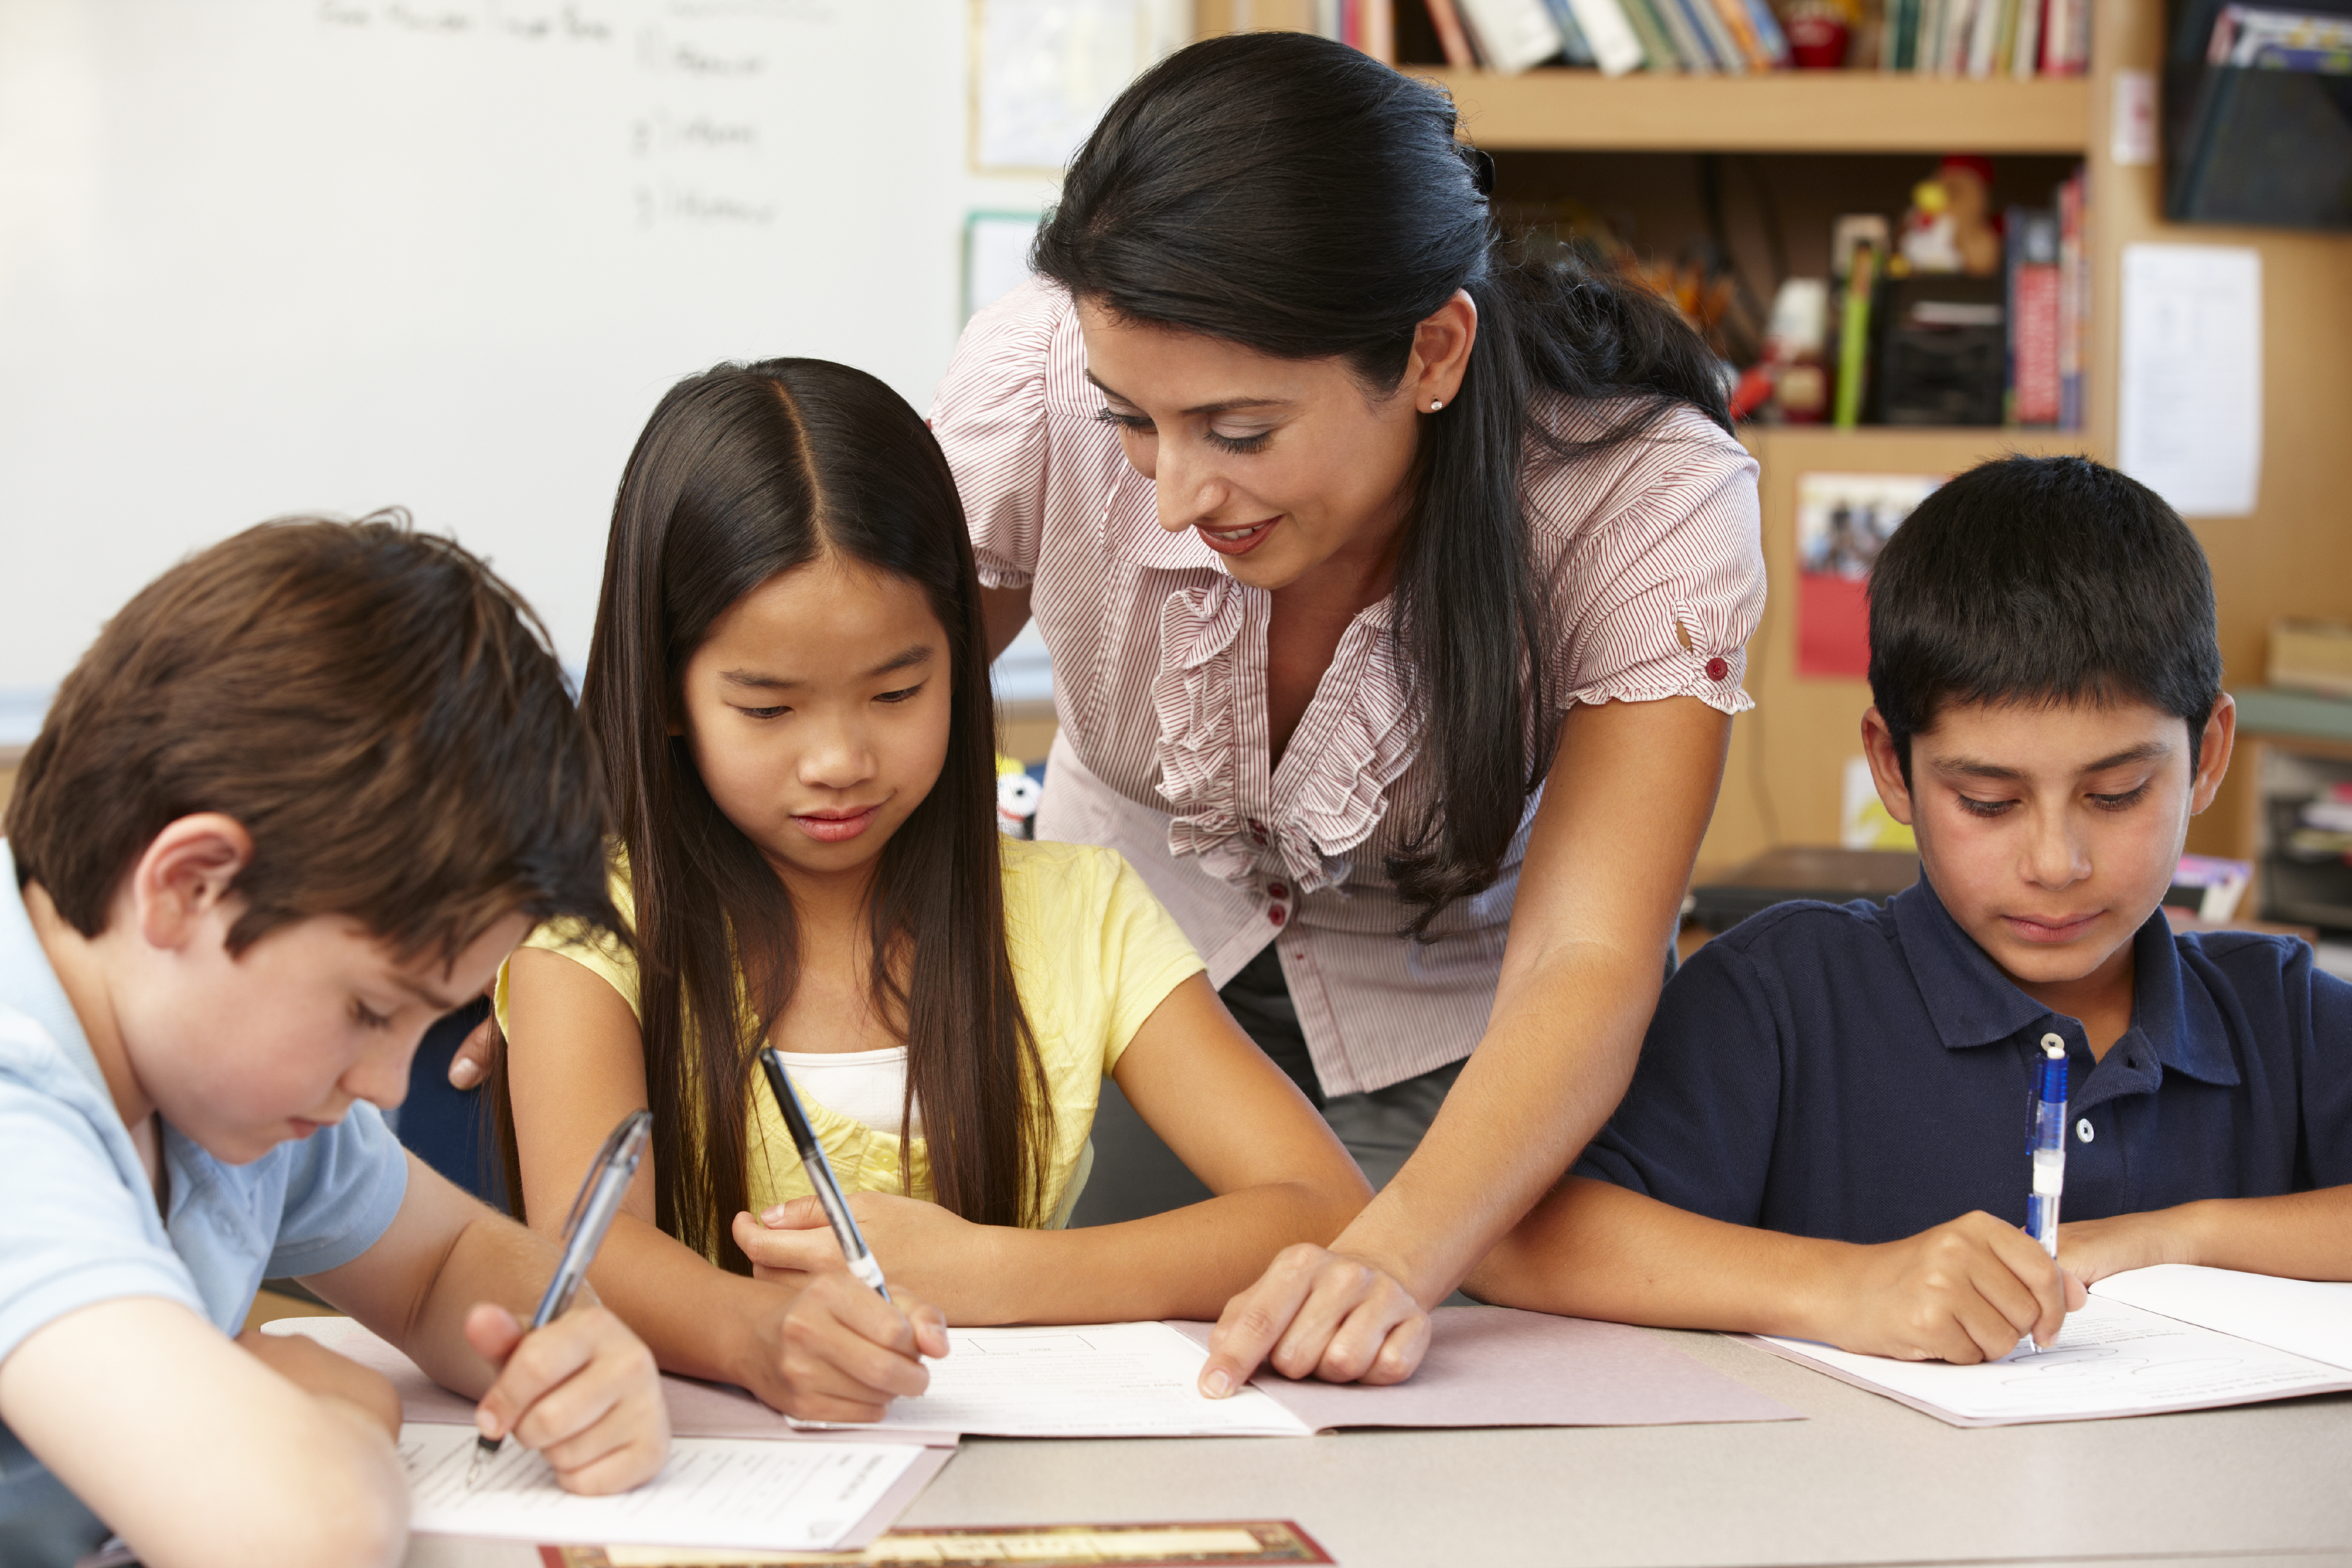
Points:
[(624, 1147)]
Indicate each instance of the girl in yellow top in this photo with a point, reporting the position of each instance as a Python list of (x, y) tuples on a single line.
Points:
[(789, 684)]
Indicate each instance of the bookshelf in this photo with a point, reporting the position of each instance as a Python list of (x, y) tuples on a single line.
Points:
[(1785, 111)]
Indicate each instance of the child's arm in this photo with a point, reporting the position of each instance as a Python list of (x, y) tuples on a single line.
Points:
[(2297, 1235), (1965, 1291), (197, 1452), (835, 1352), (452, 1282), (1227, 1112)]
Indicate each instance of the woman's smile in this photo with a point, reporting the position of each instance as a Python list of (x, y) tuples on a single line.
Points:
[(1236, 541)]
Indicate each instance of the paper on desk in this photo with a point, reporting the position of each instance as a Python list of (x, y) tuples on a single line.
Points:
[(1089, 1380), (2302, 1317), (695, 1409), (2110, 1359), (1494, 1366), (715, 1491)]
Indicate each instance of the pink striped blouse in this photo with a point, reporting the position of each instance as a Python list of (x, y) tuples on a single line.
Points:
[(1160, 685)]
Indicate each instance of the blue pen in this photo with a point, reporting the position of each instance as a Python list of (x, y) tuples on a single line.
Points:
[(2049, 1144)]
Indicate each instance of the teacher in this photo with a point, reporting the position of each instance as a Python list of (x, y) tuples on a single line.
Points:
[(1397, 583)]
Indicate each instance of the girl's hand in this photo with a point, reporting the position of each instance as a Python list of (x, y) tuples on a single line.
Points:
[(920, 1245), (584, 1391), (1317, 1313), (846, 1352), (314, 1369)]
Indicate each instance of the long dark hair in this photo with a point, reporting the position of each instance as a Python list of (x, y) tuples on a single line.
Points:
[(745, 471), (1295, 196)]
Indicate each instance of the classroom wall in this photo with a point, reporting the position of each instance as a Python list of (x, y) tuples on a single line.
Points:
[(267, 256)]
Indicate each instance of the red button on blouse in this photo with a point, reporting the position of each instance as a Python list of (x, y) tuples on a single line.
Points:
[(1717, 667)]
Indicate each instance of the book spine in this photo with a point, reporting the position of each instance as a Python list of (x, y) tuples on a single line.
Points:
[(2004, 43), (1511, 34), (2073, 298), (1657, 44), (1929, 38), (1376, 25), (2026, 52), (1733, 15), (2012, 256), (1616, 47), (2039, 393), (1451, 38), (1719, 41), (1573, 48), (1853, 337), (1777, 53), (1984, 32), (1907, 36), (1688, 45)]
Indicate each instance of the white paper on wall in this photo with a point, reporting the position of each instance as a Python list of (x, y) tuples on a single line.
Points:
[(2190, 421)]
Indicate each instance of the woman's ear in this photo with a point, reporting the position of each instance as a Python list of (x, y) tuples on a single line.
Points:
[(1885, 767), (187, 872), (2213, 752), (1441, 352)]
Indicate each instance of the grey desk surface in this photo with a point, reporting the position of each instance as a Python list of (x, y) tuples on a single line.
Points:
[(1864, 1480)]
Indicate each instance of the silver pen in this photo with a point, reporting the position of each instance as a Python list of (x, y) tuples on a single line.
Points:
[(606, 1184), (860, 1256)]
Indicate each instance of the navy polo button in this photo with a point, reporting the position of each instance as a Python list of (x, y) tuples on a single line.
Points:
[(2083, 1130)]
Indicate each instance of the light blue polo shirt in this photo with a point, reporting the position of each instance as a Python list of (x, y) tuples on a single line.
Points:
[(78, 1223)]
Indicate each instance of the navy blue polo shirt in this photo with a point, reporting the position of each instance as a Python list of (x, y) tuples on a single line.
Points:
[(1864, 1073)]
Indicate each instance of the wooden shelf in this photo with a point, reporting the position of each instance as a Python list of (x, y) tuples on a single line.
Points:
[(1786, 111)]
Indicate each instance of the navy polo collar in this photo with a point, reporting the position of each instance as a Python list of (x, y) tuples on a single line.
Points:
[(1974, 1004)]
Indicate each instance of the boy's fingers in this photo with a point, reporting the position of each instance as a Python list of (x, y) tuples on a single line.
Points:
[(537, 1365), (2039, 1274), (493, 1332)]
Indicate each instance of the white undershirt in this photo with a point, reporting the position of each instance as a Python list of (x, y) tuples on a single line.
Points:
[(865, 1086)]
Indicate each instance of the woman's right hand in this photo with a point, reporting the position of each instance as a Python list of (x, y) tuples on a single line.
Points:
[(843, 1353), (1317, 1313)]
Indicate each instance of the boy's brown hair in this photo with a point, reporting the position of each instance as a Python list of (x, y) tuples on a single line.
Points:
[(379, 712)]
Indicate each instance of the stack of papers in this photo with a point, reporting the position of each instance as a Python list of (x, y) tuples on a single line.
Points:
[(2155, 1340)]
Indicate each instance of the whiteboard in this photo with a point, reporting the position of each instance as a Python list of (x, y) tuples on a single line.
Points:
[(267, 256)]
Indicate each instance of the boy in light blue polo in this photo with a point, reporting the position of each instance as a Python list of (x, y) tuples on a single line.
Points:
[(301, 797)]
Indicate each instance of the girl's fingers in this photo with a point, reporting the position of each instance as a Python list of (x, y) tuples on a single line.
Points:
[(787, 1249)]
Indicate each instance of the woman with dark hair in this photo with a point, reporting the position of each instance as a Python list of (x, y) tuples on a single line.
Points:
[(1396, 581), (790, 691)]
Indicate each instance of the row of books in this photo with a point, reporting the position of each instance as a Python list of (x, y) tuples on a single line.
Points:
[(1930, 37), (1986, 38)]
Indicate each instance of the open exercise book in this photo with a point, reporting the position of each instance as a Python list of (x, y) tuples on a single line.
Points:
[(2167, 1338)]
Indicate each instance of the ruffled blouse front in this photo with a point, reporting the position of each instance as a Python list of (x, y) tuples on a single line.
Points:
[(1650, 551)]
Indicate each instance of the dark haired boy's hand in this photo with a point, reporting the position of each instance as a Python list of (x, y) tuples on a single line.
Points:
[(584, 1391), (2091, 1249), (1966, 1291), (845, 1353)]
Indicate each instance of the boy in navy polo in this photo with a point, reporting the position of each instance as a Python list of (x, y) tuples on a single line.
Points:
[(1826, 1135)]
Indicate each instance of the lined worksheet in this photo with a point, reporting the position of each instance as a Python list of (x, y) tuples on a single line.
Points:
[(2112, 1359), (715, 1491), (1100, 1380)]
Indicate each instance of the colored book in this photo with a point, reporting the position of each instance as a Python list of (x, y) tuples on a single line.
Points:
[(1777, 54), (1720, 45), (2073, 303), (2035, 394), (1733, 14), (1451, 37), (1657, 43), (1853, 337), (1688, 45), (1984, 37), (1616, 47), (1573, 49), (1511, 34), (1376, 29), (1929, 37), (2025, 53)]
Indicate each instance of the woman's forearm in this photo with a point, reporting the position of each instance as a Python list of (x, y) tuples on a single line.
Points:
[(1182, 1264)]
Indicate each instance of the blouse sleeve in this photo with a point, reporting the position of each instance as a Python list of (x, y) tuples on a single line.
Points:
[(1656, 569), (990, 418)]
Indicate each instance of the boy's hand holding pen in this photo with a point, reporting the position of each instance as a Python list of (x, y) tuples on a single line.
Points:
[(577, 1386)]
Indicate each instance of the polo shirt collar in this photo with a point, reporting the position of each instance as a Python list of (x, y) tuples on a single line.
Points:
[(1973, 1003), (31, 984)]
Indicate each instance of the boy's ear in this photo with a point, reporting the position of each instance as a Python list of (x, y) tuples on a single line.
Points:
[(2213, 752), (186, 875), (1885, 768)]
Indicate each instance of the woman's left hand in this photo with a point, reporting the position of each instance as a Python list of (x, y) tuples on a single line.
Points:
[(937, 1255)]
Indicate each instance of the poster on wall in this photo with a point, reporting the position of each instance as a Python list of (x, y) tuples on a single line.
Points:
[(1842, 523)]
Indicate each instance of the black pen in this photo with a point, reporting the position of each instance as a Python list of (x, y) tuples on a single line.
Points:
[(606, 1184), (861, 1258)]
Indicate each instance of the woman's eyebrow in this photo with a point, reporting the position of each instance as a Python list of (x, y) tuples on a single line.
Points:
[(1224, 406)]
